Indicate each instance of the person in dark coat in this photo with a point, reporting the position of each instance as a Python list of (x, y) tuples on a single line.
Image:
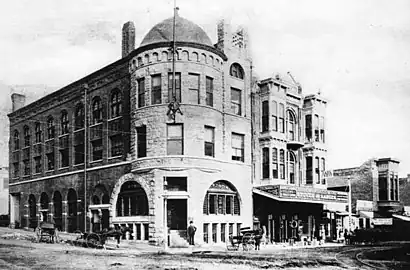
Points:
[(258, 238), (191, 232)]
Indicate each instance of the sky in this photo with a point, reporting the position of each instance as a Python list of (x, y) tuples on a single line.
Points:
[(356, 53)]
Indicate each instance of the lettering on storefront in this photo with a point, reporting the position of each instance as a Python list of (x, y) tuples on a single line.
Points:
[(317, 195), (383, 221)]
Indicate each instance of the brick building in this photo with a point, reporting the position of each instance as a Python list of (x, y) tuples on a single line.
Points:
[(142, 168), (375, 190), (290, 196)]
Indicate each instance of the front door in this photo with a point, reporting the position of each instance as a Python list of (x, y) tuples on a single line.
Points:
[(177, 214)]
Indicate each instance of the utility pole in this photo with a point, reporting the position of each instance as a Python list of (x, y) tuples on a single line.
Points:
[(85, 157), (350, 203)]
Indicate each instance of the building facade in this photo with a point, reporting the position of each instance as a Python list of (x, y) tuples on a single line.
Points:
[(375, 193), (125, 159), (290, 196), (4, 190)]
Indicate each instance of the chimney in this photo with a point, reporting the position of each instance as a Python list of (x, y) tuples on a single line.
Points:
[(128, 38), (18, 101)]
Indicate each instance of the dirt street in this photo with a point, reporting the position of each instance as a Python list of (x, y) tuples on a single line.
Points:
[(18, 250)]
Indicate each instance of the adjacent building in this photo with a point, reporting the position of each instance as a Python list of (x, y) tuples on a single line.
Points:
[(4, 190), (289, 141)]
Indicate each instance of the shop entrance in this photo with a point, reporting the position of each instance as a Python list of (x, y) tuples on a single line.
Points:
[(177, 214)]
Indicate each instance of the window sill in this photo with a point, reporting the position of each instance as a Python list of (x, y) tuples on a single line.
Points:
[(48, 140), (50, 171), (78, 130), (64, 168), (63, 135), (115, 118), (115, 157), (38, 173), (79, 164), (94, 125), (96, 161)]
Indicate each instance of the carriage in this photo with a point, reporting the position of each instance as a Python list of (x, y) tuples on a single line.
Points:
[(46, 231), (246, 238), (99, 239)]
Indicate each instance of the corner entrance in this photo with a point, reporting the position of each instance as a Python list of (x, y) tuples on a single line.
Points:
[(177, 214)]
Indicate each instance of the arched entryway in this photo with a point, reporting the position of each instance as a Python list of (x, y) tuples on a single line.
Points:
[(58, 209), (32, 208), (130, 207), (99, 209), (72, 210), (44, 207)]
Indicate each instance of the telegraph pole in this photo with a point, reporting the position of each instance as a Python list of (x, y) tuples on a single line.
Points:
[(85, 157)]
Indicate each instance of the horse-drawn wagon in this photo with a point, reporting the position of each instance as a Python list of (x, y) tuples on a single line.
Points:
[(246, 238), (48, 231)]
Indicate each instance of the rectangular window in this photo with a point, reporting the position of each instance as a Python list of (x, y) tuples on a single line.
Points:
[(291, 172), (117, 146), (316, 125), (206, 228), (175, 139), (177, 87), (37, 163), (382, 188), (214, 232), (221, 204), (230, 228), (79, 154), (317, 170), (229, 205), (176, 184), (209, 141), (50, 161), (323, 170), (265, 163), (209, 91), (212, 204), (141, 92), (236, 101), (308, 127), (265, 116), (238, 228), (281, 118), (275, 163), (274, 116), (97, 150), (16, 169), (238, 147), (322, 129), (309, 170), (193, 88), (64, 159), (223, 232), (26, 164), (282, 164), (156, 89), (141, 141)]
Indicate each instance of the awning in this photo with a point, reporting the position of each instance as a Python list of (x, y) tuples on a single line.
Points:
[(366, 214), (405, 218), (342, 213)]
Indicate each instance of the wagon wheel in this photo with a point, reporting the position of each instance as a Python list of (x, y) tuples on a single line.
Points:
[(94, 241), (248, 242), (38, 234)]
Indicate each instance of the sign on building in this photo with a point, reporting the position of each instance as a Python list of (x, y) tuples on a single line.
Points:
[(382, 221)]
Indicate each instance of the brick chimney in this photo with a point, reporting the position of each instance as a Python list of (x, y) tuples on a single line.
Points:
[(128, 38), (18, 101)]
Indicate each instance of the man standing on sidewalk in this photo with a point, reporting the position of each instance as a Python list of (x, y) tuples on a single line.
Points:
[(191, 233)]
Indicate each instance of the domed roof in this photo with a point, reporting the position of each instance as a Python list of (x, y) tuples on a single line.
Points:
[(185, 31)]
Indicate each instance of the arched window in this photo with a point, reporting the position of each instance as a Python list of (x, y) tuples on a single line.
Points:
[(27, 136), (72, 210), (64, 122), (132, 200), (16, 139), (222, 199), (58, 209), (265, 163), (155, 57), (38, 132), (50, 128), (43, 206), (236, 71), (195, 57), (185, 56), (291, 126), (164, 56), (116, 104), (292, 167), (282, 164), (97, 110), (79, 116)]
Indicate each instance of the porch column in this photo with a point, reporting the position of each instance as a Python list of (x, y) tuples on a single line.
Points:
[(50, 213), (27, 216), (134, 229), (142, 232)]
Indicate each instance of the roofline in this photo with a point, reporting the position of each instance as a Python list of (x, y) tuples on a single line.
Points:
[(70, 86), (168, 44)]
